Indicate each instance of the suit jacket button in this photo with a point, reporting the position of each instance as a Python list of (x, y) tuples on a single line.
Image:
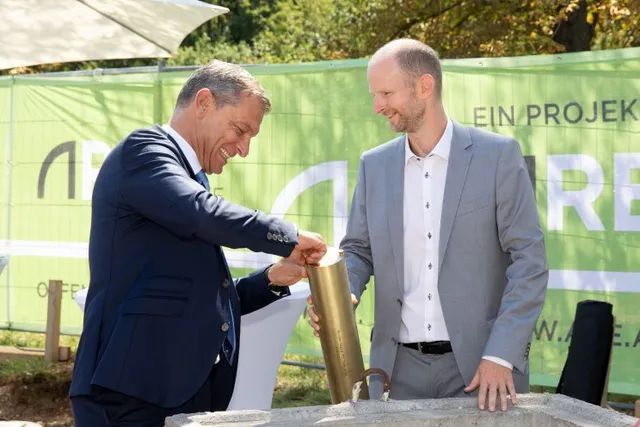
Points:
[(269, 235), (225, 327), (286, 239), (279, 238), (225, 283)]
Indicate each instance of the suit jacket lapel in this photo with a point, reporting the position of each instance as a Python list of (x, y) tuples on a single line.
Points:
[(395, 192), (183, 159), (459, 159)]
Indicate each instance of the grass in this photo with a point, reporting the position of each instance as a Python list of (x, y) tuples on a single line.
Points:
[(23, 367), (296, 386), (35, 340)]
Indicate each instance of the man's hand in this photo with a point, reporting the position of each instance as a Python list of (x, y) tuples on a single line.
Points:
[(286, 273), (309, 250), (314, 318), (495, 379)]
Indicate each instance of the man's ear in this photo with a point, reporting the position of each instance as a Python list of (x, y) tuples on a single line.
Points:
[(204, 101), (426, 86)]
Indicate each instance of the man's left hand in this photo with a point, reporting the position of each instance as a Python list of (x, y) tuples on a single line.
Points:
[(286, 273), (494, 379)]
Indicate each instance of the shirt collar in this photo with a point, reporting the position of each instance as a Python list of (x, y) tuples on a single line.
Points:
[(186, 149), (442, 148)]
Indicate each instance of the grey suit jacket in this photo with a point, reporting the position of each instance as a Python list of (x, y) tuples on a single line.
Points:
[(493, 270)]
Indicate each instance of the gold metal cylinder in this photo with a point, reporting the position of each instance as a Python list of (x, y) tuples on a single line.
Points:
[(341, 349)]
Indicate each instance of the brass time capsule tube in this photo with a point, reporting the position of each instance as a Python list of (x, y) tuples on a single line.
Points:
[(339, 339)]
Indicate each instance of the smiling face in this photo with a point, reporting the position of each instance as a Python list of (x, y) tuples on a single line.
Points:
[(224, 132), (396, 95)]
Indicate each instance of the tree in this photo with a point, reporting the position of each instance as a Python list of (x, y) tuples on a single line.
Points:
[(474, 28), (272, 31)]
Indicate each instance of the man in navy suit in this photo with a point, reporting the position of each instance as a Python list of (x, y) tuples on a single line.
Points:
[(162, 316)]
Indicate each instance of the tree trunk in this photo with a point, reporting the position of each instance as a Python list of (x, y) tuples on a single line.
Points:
[(575, 33)]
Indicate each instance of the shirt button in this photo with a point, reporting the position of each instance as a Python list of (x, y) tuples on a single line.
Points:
[(225, 327), (429, 327), (429, 235), (430, 266), (427, 205), (429, 297), (225, 283), (426, 175)]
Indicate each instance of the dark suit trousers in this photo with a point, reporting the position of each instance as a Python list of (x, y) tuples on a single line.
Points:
[(108, 408)]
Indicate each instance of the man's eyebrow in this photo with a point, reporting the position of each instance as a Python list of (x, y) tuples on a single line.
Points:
[(246, 126)]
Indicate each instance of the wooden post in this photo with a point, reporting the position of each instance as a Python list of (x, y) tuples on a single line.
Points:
[(63, 353), (637, 414), (54, 305)]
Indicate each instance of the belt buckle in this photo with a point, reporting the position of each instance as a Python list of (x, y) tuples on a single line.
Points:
[(420, 348)]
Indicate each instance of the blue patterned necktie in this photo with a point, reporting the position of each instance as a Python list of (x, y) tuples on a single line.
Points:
[(229, 344), (201, 177)]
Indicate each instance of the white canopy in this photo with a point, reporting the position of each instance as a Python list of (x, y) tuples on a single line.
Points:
[(52, 31)]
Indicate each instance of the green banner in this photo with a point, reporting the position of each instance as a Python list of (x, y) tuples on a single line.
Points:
[(577, 117)]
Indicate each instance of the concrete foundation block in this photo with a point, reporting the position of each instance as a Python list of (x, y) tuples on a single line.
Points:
[(532, 410)]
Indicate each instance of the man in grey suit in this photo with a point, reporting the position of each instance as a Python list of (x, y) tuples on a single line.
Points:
[(445, 219)]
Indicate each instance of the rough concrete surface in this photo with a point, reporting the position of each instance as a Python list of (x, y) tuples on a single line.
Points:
[(532, 410)]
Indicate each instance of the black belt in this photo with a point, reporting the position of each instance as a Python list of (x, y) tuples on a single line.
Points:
[(434, 347)]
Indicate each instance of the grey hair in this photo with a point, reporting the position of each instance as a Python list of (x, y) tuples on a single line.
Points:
[(229, 83), (415, 59)]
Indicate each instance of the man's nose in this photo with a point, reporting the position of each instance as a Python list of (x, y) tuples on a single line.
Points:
[(378, 106), (243, 147)]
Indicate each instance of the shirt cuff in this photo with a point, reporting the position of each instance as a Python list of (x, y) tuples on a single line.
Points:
[(279, 291), (498, 361)]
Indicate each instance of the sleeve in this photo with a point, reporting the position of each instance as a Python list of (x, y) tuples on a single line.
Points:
[(254, 293), (157, 186), (521, 237), (356, 245)]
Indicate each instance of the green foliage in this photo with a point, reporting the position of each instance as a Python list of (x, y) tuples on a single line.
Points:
[(204, 51), (304, 30), (276, 31)]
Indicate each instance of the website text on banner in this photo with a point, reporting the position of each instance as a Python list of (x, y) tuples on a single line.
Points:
[(577, 118)]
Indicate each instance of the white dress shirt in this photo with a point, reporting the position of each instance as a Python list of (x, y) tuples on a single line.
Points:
[(186, 149), (424, 182)]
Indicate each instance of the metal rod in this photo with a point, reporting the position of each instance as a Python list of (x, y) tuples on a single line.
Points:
[(93, 72), (622, 406), (7, 190), (304, 365)]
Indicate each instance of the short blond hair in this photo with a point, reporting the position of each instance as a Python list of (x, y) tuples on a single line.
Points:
[(415, 59)]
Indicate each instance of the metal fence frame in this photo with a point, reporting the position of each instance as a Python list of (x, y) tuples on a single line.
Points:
[(163, 68)]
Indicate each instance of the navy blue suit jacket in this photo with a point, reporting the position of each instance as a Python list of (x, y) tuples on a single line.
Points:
[(159, 279)]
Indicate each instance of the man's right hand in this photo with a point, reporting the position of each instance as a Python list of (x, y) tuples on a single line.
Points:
[(309, 250), (314, 319)]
